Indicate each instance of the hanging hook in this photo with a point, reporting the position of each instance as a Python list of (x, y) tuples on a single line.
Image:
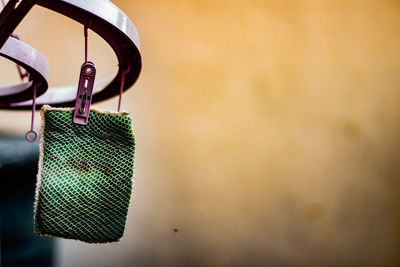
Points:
[(86, 41), (85, 87), (124, 72), (32, 131)]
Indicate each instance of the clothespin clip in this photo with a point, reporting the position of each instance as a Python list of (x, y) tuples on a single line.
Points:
[(85, 89), (84, 95)]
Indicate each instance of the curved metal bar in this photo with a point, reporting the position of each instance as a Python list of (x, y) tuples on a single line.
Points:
[(59, 95), (6, 91), (33, 62), (102, 17)]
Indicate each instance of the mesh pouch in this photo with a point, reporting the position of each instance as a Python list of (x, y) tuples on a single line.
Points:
[(85, 175)]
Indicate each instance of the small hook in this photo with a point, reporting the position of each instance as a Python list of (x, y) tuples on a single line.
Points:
[(124, 72), (85, 32), (34, 138), (33, 131)]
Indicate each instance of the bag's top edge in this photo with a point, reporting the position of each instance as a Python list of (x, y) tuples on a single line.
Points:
[(46, 108)]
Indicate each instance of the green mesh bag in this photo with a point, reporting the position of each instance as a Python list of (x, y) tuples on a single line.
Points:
[(85, 175)]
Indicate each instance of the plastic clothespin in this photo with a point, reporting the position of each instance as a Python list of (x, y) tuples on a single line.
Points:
[(85, 89), (84, 95)]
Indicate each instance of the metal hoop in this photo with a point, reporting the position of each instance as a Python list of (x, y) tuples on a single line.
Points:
[(33, 62)]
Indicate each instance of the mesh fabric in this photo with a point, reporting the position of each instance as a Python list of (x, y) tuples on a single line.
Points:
[(85, 175)]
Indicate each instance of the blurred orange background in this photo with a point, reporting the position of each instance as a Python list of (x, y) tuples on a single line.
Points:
[(267, 131)]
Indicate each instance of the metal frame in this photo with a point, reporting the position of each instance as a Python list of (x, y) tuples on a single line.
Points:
[(33, 62), (102, 17)]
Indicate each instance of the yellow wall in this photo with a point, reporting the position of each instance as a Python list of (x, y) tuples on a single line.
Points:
[(267, 131)]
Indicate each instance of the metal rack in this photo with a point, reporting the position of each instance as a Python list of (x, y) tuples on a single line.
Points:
[(102, 17)]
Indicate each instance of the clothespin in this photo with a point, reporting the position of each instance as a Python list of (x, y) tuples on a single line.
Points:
[(85, 89)]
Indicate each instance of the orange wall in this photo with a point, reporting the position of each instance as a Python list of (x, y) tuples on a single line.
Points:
[(267, 131)]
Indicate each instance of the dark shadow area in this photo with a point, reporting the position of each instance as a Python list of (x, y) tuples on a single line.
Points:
[(18, 169)]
